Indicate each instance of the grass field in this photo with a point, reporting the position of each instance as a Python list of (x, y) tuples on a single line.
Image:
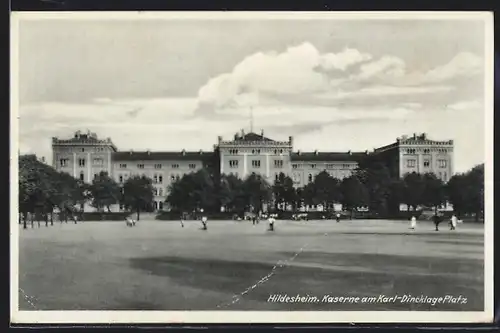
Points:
[(237, 266)]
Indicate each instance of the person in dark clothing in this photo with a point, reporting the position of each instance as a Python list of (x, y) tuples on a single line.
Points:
[(436, 219)]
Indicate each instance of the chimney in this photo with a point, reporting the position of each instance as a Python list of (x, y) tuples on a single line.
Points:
[(290, 140), (242, 133), (43, 159), (366, 152), (201, 151), (149, 152), (236, 136), (298, 152), (414, 135), (183, 152), (262, 132), (219, 139), (316, 152), (349, 152)]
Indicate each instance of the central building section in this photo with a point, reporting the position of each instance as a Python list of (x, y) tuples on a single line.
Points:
[(254, 153)]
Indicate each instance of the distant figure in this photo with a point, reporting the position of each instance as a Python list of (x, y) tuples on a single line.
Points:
[(453, 222), (436, 219), (337, 217), (182, 220), (204, 222), (129, 222), (271, 221), (413, 222)]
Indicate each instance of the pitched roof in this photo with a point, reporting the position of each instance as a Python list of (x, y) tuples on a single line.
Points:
[(161, 156), (327, 156), (252, 137)]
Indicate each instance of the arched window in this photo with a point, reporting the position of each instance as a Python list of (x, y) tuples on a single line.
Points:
[(310, 178), (156, 205), (82, 176)]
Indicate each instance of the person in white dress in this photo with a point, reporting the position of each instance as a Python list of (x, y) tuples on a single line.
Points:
[(453, 223), (413, 222), (271, 221)]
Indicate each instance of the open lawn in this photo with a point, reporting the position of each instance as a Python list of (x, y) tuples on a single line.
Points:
[(157, 265)]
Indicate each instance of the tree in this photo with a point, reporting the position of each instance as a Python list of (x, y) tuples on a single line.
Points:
[(104, 191), (475, 179), (413, 190), (283, 190), (192, 192), (257, 191), (354, 193), (466, 192), (434, 191), (326, 189), (231, 194), (138, 194), (377, 179)]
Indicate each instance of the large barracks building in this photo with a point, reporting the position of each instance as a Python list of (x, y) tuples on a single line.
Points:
[(85, 155)]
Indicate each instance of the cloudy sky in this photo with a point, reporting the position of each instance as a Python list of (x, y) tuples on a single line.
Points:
[(173, 84)]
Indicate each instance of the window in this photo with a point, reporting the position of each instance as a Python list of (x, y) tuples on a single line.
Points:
[(294, 166), (426, 151), (277, 176), (64, 162), (156, 205), (256, 163), (157, 166), (82, 150), (123, 166), (278, 163), (310, 178), (175, 166), (411, 151), (81, 162), (160, 179), (172, 177), (442, 163), (95, 175), (160, 205), (160, 191), (411, 163), (140, 166), (427, 163), (233, 151), (233, 163), (98, 161), (192, 166), (155, 179), (255, 151), (120, 178), (313, 166), (82, 176), (122, 207), (329, 166), (155, 191)]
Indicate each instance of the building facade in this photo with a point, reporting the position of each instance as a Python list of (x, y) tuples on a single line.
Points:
[(85, 155), (419, 154)]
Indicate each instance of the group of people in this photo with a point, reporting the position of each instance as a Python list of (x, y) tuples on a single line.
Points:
[(437, 220)]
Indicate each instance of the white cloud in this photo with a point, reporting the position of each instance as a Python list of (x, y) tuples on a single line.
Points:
[(343, 60), (387, 65), (466, 105)]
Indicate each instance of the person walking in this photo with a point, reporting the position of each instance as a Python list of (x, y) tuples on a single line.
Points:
[(436, 219), (413, 223), (453, 222), (182, 220), (337, 217), (271, 221)]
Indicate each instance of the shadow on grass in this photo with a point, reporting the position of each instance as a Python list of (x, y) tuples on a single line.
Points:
[(233, 277)]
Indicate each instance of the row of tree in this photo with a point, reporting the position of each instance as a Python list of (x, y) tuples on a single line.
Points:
[(43, 190), (371, 188)]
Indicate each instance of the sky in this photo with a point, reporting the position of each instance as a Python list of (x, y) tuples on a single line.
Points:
[(334, 85)]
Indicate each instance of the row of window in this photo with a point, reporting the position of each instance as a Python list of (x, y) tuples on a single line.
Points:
[(411, 163), (63, 162), (255, 163), (426, 151), (328, 166), (255, 151), (159, 166)]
